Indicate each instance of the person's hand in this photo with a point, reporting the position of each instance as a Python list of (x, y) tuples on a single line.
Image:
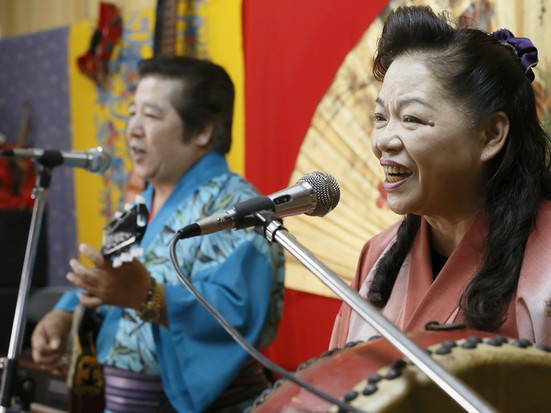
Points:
[(125, 286), (49, 340)]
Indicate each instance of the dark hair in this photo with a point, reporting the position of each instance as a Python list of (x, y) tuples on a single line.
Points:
[(483, 77), (207, 95)]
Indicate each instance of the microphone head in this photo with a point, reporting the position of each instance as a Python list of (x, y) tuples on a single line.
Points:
[(98, 160), (327, 190)]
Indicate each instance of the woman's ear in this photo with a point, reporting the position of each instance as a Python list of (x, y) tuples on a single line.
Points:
[(203, 138), (496, 133)]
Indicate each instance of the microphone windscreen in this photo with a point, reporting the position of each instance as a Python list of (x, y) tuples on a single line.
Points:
[(327, 191), (99, 160)]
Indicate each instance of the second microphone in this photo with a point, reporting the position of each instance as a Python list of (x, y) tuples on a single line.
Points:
[(314, 194)]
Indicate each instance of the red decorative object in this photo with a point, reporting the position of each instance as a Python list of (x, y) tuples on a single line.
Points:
[(17, 176), (17, 180), (95, 62)]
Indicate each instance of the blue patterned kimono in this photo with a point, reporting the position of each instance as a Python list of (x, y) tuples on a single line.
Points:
[(237, 271)]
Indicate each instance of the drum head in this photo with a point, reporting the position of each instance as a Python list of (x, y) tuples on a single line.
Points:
[(510, 375)]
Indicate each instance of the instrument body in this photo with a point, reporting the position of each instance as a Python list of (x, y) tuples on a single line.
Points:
[(511, 375), (120, 243)]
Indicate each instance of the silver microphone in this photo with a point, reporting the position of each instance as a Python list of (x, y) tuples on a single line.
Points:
[(94, 160), (314, 194)]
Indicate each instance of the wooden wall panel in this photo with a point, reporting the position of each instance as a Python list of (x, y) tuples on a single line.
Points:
[(19, 17)]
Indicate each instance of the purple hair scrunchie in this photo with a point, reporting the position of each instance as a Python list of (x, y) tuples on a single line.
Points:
[(523, 48)]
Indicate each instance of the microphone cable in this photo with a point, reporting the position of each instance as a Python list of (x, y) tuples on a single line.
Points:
[(345, 407)]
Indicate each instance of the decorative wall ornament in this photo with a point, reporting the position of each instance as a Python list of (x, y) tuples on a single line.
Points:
[(95, 62)]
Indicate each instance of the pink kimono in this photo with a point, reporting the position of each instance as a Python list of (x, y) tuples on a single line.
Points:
[(416, 299)]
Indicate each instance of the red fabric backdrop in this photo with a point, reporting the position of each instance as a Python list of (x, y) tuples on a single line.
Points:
[(292, 50)]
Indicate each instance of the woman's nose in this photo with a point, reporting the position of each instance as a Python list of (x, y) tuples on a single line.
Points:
[(386, 139)]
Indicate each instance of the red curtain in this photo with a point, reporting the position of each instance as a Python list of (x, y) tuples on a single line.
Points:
[(292, 51)]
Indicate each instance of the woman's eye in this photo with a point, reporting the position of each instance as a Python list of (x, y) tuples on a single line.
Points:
[(410, 119), (378, 117)]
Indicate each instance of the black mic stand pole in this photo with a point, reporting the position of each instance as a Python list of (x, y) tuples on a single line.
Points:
[(9, 371), (272, 230)]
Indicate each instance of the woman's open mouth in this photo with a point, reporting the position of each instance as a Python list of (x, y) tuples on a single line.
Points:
[(395, 173)]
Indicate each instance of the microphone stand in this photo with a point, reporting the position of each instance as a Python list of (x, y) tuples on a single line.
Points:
[(9, 371), (272, 230)]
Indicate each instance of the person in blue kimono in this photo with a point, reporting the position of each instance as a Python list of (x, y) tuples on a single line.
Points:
[(159, 347)]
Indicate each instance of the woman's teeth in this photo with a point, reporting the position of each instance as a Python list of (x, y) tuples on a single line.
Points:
[(396, 173)]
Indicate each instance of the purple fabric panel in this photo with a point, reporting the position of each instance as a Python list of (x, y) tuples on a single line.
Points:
[(34, 68)]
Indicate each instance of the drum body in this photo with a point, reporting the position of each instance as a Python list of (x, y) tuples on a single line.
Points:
[(510, 375)]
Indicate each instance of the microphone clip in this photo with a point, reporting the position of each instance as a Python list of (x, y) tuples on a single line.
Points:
[(267, 224)]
